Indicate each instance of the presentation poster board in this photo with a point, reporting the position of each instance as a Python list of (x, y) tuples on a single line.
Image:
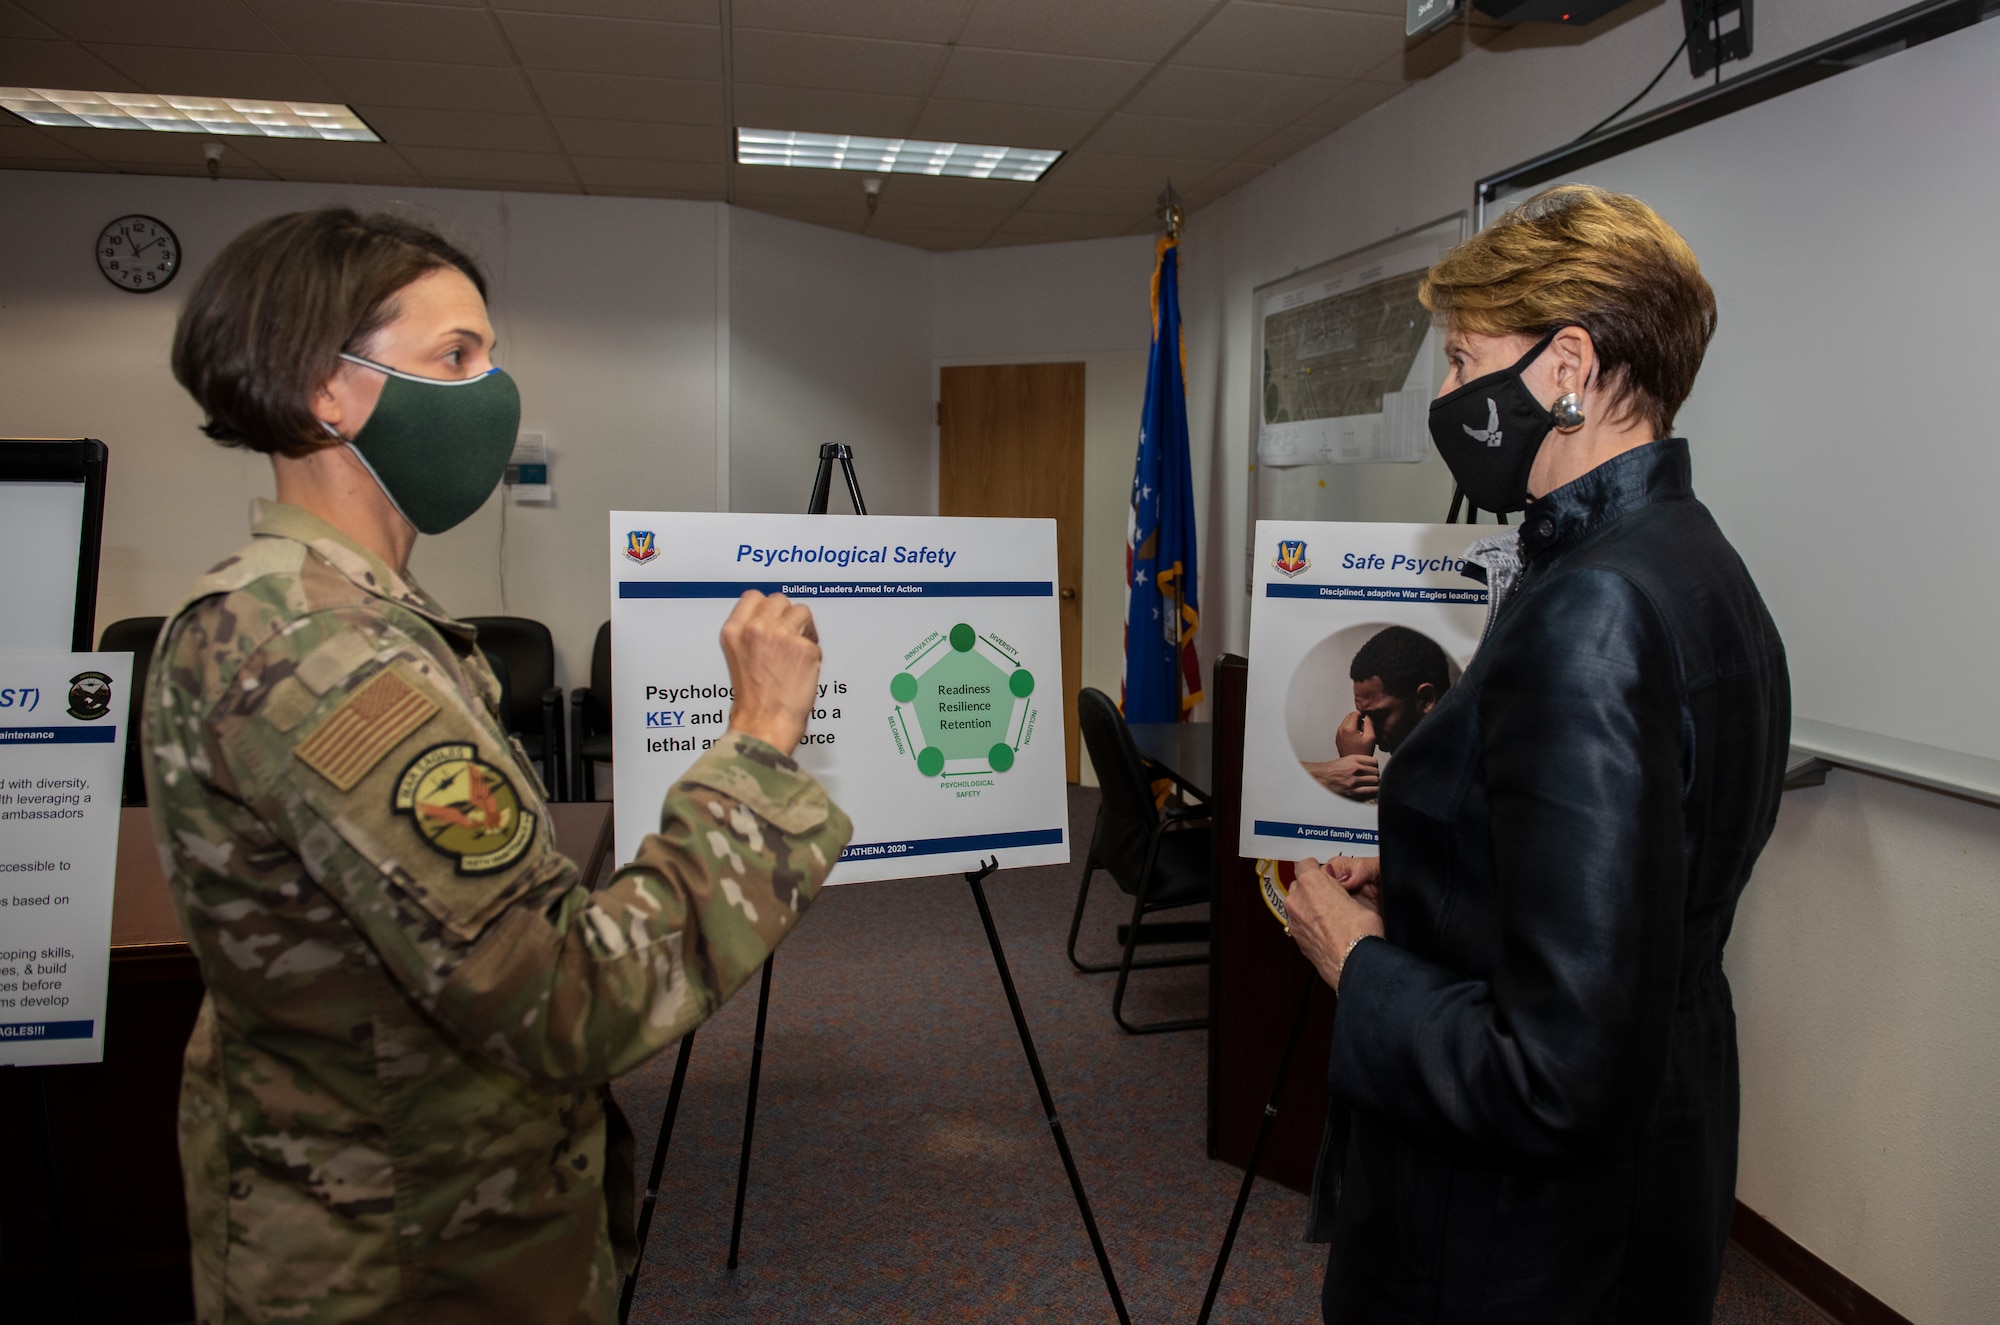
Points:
[(939, 724), (62, 755), (1321, 593)]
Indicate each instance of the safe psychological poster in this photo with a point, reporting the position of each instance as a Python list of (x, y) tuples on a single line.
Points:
[(939, 722), (1355, 631)]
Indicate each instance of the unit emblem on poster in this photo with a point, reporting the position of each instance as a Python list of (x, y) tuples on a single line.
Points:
[(1291, 558), (639, 545), (89, 695)]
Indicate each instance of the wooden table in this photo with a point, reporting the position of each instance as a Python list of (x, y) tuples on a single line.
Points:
[(115, 1247), (1184, 751)]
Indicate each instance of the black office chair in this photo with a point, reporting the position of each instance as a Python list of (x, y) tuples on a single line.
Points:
[(1162, 860), (135, 635), (533, 709), (590, 720)]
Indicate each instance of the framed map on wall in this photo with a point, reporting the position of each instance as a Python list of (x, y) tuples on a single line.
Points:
[(1347, 359)]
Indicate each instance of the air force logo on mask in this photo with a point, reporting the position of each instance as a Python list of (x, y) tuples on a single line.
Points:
[(1491, 433)]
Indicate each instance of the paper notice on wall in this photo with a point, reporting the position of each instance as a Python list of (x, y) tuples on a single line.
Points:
[(1347, 622), (939, 722), (62, 758)]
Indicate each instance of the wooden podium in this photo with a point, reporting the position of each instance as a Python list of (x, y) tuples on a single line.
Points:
[(1254, 986)]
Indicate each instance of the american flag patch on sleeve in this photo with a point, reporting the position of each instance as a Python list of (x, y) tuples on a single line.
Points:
[(367, 725)]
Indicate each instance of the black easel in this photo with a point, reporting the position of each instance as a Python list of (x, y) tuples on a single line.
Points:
[(1257, 1150), (821, 490)]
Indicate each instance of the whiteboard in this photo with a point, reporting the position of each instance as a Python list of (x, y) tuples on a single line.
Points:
[(41, 535), (1843, 429)]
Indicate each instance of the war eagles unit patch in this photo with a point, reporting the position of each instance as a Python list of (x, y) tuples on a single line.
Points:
[(465, 808)]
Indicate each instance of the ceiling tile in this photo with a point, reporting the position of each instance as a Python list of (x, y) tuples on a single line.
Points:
[(1096, 170), (672, 11), (616, 172), (1171, 136), (900, 211), (296, 158), (58, 64), (224, 25), (937, 241), (242, 170), (1096, 202), (433, 86), (792, 182), (80, 164), (849, 64), (1000, 239), (817, 110), (901, 20), (844, 213), (620, 97), (503, 185), (1230, 94), (1444, 48), (218, 73), (1396, 9), (468, 163), (1283, 144), (654, 142), (1111, 29), (1006, 126), (1037, 80), (445, 34), (944, 191), (460, 128), (130, 145), (17, 22), (24, 141), (1350, 102), (615, 46), (1279, 39)]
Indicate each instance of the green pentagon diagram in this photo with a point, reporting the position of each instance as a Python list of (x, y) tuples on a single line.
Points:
[(964, 704)]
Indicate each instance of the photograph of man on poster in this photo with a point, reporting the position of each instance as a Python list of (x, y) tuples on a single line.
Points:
[(1398, 675)]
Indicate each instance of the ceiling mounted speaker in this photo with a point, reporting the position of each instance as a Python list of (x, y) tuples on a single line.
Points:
[(1575, 13)]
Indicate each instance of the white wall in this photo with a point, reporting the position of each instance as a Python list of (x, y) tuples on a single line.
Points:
[(615, 359), (1083, 302), (1862, 964), (829, 341)]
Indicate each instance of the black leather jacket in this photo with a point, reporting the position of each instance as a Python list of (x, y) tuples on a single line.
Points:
[(1540, 1060)]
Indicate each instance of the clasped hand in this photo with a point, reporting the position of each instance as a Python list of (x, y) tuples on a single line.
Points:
[(773, 653), (1330, 906)]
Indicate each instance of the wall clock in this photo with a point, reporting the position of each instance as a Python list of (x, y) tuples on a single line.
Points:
[(138, 253)]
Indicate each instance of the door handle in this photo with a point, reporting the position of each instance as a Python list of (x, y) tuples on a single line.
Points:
[(1069, 595)]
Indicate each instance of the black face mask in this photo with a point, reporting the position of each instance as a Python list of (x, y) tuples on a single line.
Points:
[(1488, 432)]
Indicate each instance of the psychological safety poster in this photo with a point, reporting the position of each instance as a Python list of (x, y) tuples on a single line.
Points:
[(1355, 629), (939, 723)]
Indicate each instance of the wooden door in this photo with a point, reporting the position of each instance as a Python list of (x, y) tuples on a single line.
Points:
[(1010, 443)]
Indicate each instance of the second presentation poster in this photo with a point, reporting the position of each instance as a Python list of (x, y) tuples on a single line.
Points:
[(1354, 630), (939, 725)]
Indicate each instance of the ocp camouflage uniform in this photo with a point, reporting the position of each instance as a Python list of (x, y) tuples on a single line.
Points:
[(393, 1105)]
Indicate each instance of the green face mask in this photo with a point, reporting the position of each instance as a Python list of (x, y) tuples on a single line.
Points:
[(438, 447)]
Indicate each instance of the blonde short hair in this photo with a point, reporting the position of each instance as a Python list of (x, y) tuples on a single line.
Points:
[(1577, 256)]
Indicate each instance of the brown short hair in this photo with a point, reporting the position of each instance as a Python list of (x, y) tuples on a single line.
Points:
[(266, 325), (1577, 256)]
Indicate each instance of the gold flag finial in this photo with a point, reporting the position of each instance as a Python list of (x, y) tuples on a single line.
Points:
[(1171, 212)]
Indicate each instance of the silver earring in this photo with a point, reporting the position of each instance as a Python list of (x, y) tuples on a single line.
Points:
[(1568, 412)]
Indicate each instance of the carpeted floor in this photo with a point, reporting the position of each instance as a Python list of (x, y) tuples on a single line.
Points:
[(902, 1169)]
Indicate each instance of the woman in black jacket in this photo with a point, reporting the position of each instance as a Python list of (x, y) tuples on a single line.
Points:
[(1535, 1045)]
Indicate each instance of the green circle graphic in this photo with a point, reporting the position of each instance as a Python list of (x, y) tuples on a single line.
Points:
[(1022, 683), (962, 637), (930, 762), (903, 687), (1001, 757)]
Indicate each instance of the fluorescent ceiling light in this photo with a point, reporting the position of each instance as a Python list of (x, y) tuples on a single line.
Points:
[(241, 117), (890, 156)]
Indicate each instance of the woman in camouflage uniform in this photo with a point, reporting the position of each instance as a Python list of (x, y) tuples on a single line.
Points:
[(394, 1104)]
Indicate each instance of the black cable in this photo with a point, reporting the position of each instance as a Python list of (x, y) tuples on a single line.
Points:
[(1672, 60)]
